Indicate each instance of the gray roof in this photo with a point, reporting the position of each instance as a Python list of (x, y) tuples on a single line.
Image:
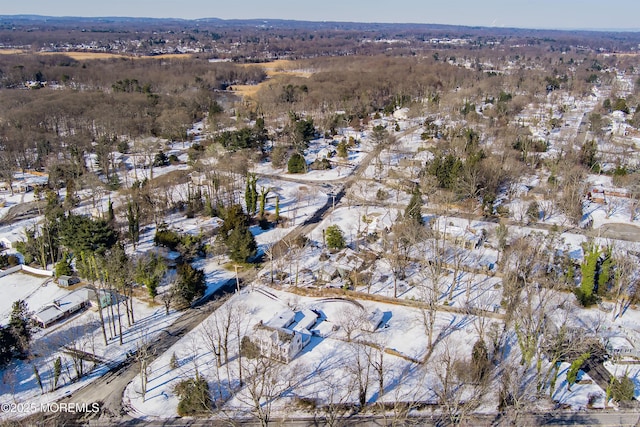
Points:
[(67, 304)]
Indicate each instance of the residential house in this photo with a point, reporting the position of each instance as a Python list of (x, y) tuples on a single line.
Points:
[(284, 335), (278, 344), (63, 307)]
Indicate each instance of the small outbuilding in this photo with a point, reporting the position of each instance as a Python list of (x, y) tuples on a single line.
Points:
[(373, 320), (66, 281)]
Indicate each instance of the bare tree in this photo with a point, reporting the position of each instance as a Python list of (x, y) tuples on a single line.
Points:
[(375, 351), (454, 393), (265, 382), (167, 297), (432, 276), (335, 408), (216, 333), (359, 371), (351, 321), (623, 282), (143, 355)]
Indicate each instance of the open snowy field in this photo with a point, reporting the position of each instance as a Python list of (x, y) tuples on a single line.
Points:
[(36, 291), (323, 371)]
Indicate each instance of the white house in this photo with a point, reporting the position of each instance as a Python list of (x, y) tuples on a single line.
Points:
[(278, 344), (285, 334), (63, 307)]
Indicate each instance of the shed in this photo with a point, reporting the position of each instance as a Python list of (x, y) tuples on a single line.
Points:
[(66, 281), (373, 320)]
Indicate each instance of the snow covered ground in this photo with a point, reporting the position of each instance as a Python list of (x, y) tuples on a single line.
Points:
[(36, 291), (322, 370)]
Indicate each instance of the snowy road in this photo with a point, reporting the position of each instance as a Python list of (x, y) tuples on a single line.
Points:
[(109, 388)]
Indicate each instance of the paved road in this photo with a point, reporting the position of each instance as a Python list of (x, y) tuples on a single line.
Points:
[(109, 389), (550, 419)]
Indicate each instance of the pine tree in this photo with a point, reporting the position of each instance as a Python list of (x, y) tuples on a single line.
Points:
[(150, 272), (335, 238), (604, 274), (110, 213), (263, 200), (413, 212), (20, 326), (38, 378), (191, 283), (251, 194), (297, 164), (57, 370), (588, 269), (63, 267), (7, 345), (241, 243), (133, 218)]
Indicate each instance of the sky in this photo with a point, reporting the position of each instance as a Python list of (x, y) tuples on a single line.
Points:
[(543, 14)]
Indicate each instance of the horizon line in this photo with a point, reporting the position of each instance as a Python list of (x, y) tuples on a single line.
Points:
[(503, 27)]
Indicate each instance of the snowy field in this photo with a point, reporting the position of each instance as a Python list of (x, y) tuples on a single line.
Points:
[(36, 291), (322, 370)]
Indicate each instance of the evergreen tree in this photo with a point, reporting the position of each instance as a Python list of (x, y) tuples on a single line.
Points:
[(413, 212), (233, 217), (297, 164), (235, 234), (342, 150), (36, 373), (241, 244), (63, 267), (588, 269), (111, 216), (335, 238), (588, 154), (133, 220), (83, 234), (160, 159), (190, 284), (149, 272), (20, 326), (7, 345), (194, 397), (263, 200), (604, 273), (533, 211), (57, 371), (251, 194), (447, 170)]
